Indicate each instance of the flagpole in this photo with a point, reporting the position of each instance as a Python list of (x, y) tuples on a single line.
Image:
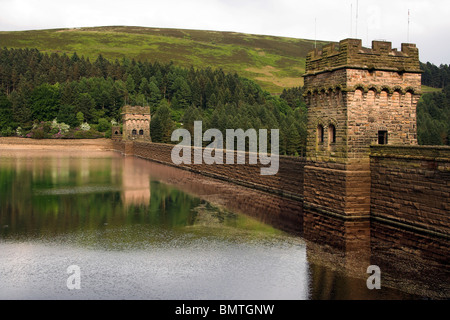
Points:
[(356, 27), (408, 27)]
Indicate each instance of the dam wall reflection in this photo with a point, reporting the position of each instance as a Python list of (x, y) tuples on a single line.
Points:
[(50, 194)]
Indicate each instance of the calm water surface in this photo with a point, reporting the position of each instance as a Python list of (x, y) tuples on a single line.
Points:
[(135, 235)]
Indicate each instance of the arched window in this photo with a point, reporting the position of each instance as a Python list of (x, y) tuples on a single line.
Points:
[(116, 132), (332, 133), (134, 132), (320, 133), (141, 132)]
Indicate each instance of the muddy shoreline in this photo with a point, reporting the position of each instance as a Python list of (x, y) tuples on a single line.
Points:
[(14, 143)]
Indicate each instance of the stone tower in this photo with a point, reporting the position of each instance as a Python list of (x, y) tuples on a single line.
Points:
[(356, 97), (136, 123)]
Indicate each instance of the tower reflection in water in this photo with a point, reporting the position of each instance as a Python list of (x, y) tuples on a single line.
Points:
[(102, 197)]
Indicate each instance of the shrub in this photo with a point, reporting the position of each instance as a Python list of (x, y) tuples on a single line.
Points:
[(91, 134), (103, 125), (80, 117), (7, 132), (46, 127), (85, 126), (62, 127), (38, 133)]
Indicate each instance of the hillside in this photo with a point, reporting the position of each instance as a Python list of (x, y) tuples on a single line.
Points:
[(273, 62)]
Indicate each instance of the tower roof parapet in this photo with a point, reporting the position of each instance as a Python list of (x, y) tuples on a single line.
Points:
[(136, 109), (350, 53)]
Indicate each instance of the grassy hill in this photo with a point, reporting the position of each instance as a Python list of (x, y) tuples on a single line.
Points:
[(427, 89), (273, 62)]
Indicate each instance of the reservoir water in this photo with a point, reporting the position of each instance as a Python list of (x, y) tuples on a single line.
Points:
[(142, 230)]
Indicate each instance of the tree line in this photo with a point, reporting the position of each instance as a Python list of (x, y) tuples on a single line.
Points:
[(434, 76), (433, 118), (87, 96), (37, 87)]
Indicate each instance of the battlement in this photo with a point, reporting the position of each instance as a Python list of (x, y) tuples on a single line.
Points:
[(136, 110), (350, 53), (136, 123)]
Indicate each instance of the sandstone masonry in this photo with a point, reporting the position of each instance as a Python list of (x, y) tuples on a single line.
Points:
[(136, 123), (364, 180)]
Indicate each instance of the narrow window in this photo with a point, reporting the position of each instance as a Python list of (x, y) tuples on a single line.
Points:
[(141, 132), (382, 137), (134, 132), (332, 133), (320, 134)]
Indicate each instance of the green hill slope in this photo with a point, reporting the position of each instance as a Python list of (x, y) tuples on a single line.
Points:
[(273, 62)]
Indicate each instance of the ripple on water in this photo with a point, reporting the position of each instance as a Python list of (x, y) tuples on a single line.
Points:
[(168, 266)]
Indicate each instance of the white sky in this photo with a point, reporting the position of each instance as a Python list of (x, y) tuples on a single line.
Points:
[(377, 19)]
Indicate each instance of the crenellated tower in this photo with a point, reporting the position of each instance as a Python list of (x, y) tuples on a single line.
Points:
[(136, 123), (359, 96), (356, 97)]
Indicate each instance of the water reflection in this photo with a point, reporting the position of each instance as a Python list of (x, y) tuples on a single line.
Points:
[(141, 230), (135, 183), (133, 235)]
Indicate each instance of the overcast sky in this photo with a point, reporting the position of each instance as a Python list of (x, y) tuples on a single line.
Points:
[(331, 20)]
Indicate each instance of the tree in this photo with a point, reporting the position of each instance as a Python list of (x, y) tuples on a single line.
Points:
[(80, 117), (144, 87), (21, 111), (130, 85), (6, 117), (433, 118), (191, 115), (85, 104), (162, 125), (103, 125), (155, 95), (67, 115), (293, 140), (44, 102), (181, 93)]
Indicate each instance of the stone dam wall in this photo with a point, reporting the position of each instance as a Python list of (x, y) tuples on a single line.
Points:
[(408, 201), (410, 197), (288, 182)]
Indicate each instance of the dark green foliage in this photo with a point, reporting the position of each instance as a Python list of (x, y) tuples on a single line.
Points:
[(6, 117), (44, 102), (294, 97), (85, 103), (103, 125), (101, 88), (67, 115), (434, 76), (192, 114), (39, 87), (38, 133), (21, 111), (7, 132), (162, 125), (433, 118), (41, 130)]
